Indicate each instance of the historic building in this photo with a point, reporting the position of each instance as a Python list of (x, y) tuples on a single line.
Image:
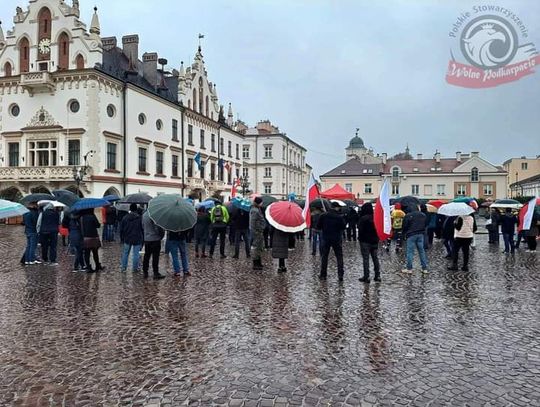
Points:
[(273, 163), (520, 170), (425, 177), (74, 103)]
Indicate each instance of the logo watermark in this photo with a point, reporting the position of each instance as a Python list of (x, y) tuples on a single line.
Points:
[(493, 42)]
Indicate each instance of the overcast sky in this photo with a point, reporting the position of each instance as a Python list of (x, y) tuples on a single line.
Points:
[(321, 68)]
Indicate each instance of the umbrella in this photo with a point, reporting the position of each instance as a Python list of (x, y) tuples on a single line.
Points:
[(89, 203), (214, 200), (140, 198), (340, 203), (506, 206), (437, 203), (171, 212), (254, 195), (123, 207), (301, 203), (267, 200), (54, 204), (455, 209), (350, 202), (112, 198), (320, 203), (36, 198), (10, 209), (286, 216), (241, 203), (409, 203), (68, 198), (206, 204), (431, 208)]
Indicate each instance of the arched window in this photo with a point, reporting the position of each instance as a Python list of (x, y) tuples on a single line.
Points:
[(189, 104), (474, 175), (24, 55), (8, 71), (207, 106), (201, 96), (44, 32), (194, 99), (63, 51), (395, 172), (80, 61)]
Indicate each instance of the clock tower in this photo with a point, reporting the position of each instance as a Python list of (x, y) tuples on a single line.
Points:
[(44, 38)]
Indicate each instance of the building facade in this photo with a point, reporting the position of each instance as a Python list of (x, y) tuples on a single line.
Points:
[(520, 169), (527, 187), (73, 102), (428, 178)]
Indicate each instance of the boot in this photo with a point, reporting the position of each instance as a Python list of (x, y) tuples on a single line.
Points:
[(377, 277), (257, 265)]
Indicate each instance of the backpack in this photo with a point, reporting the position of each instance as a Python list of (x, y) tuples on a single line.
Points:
[(218, 214)]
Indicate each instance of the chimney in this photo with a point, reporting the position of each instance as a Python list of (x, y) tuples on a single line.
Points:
[(458, 156), (384, 158), (109, 43), (150, 62), (130, 45), (419, 156), (475, 153), (437, 156)]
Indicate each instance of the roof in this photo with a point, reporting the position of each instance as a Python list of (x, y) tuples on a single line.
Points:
[(424, 166), (356, 142), (355, 168), (534, 178), (337, 192)]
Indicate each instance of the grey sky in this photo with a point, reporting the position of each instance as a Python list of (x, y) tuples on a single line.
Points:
[(320, 68)]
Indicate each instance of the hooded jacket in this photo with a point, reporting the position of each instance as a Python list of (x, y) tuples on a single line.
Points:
[(414, 223), (131, 230), (152, 232), (366, 226)]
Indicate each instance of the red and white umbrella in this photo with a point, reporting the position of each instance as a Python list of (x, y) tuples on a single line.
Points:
[(286, 216)]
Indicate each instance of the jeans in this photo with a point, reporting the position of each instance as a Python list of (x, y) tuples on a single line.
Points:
[(465, 245), (31, 246), (151, 249), (221, 232), (509, 245), (336, 245), (49, 242), (416, 241), (79, 255), (315, 241), (125, 255), (449, 245), (367, 250), (173, 247), (241, 234), (108, 233), (200, 241)]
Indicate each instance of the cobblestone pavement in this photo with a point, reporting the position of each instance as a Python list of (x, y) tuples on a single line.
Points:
[(230, 336)]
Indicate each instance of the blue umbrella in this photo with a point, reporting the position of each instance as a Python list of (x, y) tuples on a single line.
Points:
[(243, 204), (89, 203), (206, 204), (10, 209), (111, 198)]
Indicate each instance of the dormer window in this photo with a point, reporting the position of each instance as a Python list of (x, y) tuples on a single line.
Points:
[(395, 172)]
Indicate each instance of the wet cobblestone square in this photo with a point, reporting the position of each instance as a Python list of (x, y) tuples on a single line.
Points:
[(231, 336)]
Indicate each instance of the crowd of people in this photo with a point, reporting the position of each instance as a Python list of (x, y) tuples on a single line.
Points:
[(413, 228)]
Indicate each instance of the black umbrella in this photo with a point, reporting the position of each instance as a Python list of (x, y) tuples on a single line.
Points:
[(139, 199), (409, 203), (36, 198), (66, 197), (301, 203), (350, 202), (320, 203)]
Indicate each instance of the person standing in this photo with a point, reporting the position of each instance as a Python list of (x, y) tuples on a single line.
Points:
[(493, 226), (176, 243), (111, 216), (397, 226), (332, 225), (153, 235), (240, 223), (465, 227), (257, 224), (414, 230), (47, 227), (132, 237), (202, 231), (219, 217), (369, 242), (91, 242), (532, 234), (314, 232), (508, 228), (76, 240), (30, 220), (448, 235), (352, 222), (280, 248)]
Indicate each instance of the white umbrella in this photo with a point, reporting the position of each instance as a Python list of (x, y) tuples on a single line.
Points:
[(55, 204), (340, 203), (506, 205), (10, 209), (455, 209)]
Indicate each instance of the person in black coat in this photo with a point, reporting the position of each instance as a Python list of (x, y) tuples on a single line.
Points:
[(47, 227), (448, 235), (132, 236), (332, 224), (91, 244), (240, 224), (369, 242), (280, 248), (352, 221)]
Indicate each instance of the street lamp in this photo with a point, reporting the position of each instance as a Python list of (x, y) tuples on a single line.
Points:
[(80, 172), (244, 183)]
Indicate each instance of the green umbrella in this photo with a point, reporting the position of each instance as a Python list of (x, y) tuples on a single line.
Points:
[(267, 200), (172, 212)]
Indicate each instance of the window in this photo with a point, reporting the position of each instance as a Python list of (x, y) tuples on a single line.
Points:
[(202, 170), (63, 51), (14, 110), (488, 189), (461, 190), (245, 152), (8, 71), (415, 189), (229, 177), (24, 55), (245, 172), (524, 166), (159, 125), (213, 143), (212, 172), (142, 159), (268, 172), (220, 173), (79, 61), (42, 153), (159, 162), (441, 189), (190, 135), (221, 149), (267, 188), (395, 189), (237, 151), (268, 151), (142, 119), (111, 111), (74, 152), (428, 190), (395, 172), (13, 150), (229, 148), (74, 106), (474, 175), (111, 156), (202, 140), (368, 188), (174, 165), (348, 188), (175, 130), (190, 167)]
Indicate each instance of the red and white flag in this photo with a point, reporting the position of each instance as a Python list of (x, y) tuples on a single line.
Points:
[(526, 214), (382, 217), (312, 193), (235, 186)]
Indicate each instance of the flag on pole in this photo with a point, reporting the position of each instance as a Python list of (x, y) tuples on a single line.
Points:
[(381, 217), (235, 186), (526, 215), (228, 166), (312, 193), (197, 159)]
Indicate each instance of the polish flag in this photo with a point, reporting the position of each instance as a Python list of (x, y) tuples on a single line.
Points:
[(312, 193), (381, 217), (235, 186), (526, 214)]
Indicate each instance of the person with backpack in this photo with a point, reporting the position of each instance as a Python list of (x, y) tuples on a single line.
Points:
[(219, 218), (202, 231), (132, 236), (369, 242), (153, 235)]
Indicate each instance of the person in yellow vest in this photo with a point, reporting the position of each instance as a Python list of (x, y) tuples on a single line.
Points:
[(397, 226)]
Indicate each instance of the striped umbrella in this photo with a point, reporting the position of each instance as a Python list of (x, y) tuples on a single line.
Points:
[(10, 209)]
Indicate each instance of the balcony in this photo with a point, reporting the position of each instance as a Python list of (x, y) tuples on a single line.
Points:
[(195, 183), (38, 173), (38, 82), (217, 185)]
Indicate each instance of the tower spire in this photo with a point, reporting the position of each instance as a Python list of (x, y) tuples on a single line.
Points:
[(94, 26), (2, 39)]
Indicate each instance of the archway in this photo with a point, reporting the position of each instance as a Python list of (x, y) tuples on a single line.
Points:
[(112, 191), (40, 190), (13, 194), (73, 188)]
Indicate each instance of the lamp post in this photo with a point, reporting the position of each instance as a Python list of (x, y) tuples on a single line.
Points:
[(79, 172), (244, 183)]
